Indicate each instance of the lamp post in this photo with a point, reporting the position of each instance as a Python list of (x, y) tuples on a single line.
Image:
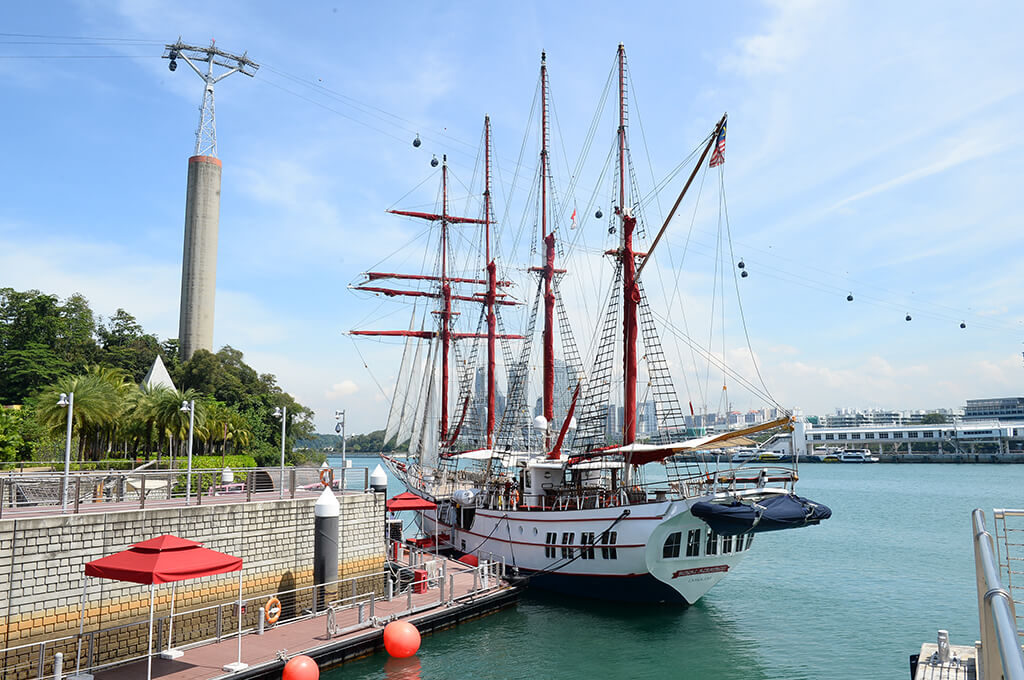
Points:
[(189, 407), (282, 413), (68, 401), (340, 428)]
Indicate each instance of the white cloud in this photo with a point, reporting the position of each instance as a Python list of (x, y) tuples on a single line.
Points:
[(343, 389)]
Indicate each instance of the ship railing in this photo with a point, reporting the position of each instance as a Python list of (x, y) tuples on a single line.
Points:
[(345, 605), (40, 491), (1000, 652), (733, 479)]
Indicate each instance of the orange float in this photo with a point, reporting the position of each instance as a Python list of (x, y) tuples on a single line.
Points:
[(401, 639), (300, 668)]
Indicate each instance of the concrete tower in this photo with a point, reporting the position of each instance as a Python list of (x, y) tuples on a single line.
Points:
[(202, 199)]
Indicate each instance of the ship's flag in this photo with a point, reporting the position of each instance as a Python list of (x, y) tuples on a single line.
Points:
[(573, 218), (691, 408), (718, 157)]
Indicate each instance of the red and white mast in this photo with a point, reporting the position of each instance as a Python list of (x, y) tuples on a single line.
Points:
[(547, 271), (491, 283), (630, 290), (444, 293)]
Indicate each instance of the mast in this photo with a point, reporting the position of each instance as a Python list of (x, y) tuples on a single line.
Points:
[(491, 282), (446, 296), (548, 270), (630, 290), (446, 300)]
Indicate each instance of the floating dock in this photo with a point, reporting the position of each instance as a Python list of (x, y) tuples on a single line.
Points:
[(344, 630)]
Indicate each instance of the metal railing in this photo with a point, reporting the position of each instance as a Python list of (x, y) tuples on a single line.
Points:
[(139, 488), (361, 593), (1000, 642)]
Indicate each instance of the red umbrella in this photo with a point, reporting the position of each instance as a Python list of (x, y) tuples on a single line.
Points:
[(165, 559), (409, 501)]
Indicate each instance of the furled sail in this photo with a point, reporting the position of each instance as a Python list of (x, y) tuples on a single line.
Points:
[(400, 399)]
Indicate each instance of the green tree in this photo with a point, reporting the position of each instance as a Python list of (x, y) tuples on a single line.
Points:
[(934, 419), (11, 442)]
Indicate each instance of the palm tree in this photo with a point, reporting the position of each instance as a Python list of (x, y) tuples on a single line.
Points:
[(97, 405), (143, 413), (171, 421)]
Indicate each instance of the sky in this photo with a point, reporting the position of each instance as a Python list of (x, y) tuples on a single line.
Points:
[(873, 149)]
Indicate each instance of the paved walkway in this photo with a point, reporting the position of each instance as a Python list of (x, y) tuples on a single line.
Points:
[(206, 661)]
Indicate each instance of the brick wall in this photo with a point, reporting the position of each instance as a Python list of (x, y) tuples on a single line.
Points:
[(42, 563)]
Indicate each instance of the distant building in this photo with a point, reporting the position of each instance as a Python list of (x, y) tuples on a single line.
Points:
[(1006, 408)]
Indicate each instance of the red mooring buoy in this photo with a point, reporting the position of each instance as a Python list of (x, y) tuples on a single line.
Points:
[(300, 668), (401, 639)]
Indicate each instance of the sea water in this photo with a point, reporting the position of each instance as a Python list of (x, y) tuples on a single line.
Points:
[(849, 599)]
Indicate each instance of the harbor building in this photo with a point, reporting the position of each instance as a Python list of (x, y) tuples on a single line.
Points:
[(1005, 408)]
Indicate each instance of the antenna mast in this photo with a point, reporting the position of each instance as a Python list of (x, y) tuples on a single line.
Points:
[(206, 133)]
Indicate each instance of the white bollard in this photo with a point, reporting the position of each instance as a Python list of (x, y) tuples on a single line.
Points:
[(943, 644), (58, 666)]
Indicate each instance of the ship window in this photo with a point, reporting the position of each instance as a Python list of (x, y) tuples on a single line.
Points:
[(693, 543), (587, 545), (927, 435), (750, 539), (671, 547), (711, 544), (830, 436), (567, 538), (609, 538), (855, 435), (911, 435), (869, 435), (726, 544), (816, 437), (550, 539), (883, 435)]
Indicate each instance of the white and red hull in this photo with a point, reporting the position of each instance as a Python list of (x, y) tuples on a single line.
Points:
[(628, 560)]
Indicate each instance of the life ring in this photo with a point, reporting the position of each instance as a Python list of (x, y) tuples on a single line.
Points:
[(327, 476), (272, 610), (515, 499)]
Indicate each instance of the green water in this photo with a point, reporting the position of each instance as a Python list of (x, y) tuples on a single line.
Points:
[(852, 598)]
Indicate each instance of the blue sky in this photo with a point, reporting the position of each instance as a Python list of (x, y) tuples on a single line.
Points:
[(873, 148)]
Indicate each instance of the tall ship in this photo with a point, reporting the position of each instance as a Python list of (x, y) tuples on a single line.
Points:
[(602, 487)]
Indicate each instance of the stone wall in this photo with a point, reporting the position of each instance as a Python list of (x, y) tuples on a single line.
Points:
[(42, 565)]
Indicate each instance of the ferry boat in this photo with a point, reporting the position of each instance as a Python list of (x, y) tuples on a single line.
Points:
[(554, 498), (857, 456)]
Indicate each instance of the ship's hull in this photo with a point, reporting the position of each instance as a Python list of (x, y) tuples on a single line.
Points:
[(651, 552)]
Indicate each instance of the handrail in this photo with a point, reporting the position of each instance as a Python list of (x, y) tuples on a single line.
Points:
[(995, 609), (91, 488)]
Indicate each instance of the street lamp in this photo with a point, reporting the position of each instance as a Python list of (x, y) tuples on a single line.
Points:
[(282, 413), (68, 401), (340, 428), (190, 408)]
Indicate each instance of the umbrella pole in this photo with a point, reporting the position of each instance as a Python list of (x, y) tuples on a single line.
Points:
[(149, 650), (170, 624), (239, 617), (81, 626)]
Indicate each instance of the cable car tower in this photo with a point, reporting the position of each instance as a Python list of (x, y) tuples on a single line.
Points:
[(202, 198)]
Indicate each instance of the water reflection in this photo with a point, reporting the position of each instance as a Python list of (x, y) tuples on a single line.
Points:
[(403, 669)]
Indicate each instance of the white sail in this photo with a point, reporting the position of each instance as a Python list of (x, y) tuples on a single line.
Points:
[(400, 398), (431, 417), (414, 379), (422, 394)]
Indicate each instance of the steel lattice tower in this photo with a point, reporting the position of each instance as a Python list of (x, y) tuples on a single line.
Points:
[(202, 198)]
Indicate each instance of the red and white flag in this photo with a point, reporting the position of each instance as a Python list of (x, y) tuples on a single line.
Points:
[(573, 218), (718, 157)]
